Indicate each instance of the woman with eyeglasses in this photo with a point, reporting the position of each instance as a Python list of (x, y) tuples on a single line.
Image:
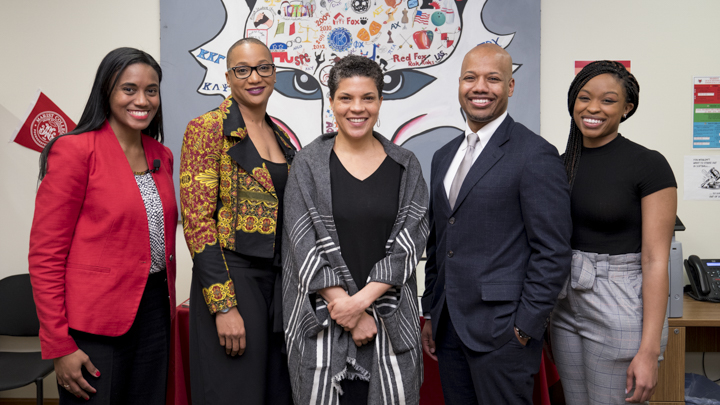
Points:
[(233, 170)]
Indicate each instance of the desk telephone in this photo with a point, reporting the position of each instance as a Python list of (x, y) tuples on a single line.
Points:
[(704, 276)]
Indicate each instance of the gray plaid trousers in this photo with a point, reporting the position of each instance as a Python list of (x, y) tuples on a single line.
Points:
[(597, 327)]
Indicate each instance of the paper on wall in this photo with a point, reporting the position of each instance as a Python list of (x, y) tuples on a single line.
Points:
[(702, 178), (706, 112)]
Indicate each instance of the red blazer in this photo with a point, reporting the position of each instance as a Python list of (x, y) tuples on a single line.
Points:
[(90, 243)]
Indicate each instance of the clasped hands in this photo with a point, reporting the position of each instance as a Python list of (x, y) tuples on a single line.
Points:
[(349, 312)]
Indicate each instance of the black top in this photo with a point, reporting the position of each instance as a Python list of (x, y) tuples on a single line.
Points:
[(609, 184), (279, 176), (364, 213)]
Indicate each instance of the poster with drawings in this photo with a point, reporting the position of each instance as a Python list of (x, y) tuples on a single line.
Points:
[(702, 178), (419, 44)]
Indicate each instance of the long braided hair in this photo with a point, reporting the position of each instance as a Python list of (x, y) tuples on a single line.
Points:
[(632, 95)]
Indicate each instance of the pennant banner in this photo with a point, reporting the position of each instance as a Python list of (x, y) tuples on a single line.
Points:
[(580, 64), (44, 122)]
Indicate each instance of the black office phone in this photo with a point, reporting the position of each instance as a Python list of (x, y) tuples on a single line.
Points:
[(704, 276)]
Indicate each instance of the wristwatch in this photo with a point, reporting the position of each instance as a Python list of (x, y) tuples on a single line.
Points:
[(225, 311), (522, 334)]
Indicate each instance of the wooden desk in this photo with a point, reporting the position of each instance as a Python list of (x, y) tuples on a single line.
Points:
[(697, 331)]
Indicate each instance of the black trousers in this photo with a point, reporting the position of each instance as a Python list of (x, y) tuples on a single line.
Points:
[(133, 367), (355, 392), (502, 376), (259, 376)]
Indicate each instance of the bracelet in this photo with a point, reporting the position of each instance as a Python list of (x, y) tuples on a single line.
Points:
[(522, 334)]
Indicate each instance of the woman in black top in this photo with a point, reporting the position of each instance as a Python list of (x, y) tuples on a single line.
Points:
[(234, 167), (609, 328), (355, 227), (365, 185)]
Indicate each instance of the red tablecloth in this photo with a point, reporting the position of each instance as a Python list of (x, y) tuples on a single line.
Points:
[(178, 391), (178, 388)]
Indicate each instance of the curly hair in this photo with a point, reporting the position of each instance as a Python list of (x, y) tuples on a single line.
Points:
[(354, 66)]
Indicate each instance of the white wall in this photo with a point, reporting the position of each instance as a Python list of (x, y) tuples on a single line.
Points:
[(57, 47)]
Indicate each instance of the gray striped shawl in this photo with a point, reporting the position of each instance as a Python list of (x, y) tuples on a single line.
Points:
[(320, 352)]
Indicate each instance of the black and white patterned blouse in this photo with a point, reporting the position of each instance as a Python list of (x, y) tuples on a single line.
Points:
[(156, 220)]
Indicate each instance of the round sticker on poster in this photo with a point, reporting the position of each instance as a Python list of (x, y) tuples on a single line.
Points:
[(339, 39), (46, 126), (438, 18), (360, 6)]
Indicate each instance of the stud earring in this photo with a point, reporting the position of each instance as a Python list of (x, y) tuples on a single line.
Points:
[(625, 116)]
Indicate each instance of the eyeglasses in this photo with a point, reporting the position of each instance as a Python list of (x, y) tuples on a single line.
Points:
[(243, 72)]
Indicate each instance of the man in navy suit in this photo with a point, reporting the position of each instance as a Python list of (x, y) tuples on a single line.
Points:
[(499, 247)]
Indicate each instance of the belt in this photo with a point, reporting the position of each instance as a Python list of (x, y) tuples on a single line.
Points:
[(586, 267)]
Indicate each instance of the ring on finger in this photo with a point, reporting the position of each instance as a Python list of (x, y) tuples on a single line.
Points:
[(66, 386)]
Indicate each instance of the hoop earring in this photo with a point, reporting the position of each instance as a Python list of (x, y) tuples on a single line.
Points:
[(625, 116), (377, 124)]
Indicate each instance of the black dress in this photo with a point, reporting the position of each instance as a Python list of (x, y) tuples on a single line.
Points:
[(364, 212), (261, 372)]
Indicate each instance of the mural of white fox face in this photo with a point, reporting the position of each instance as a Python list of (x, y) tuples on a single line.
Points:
[(419, 44)]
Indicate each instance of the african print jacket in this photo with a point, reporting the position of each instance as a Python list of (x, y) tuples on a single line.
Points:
[(227, 197), (320, 353)]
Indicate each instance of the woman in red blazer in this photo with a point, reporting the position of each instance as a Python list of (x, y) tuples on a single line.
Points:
[(102, 243)]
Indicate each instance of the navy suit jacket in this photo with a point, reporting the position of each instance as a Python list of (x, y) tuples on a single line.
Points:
[(500, 257)]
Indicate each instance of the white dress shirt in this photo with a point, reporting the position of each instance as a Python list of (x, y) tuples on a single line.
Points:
[(484, 135)]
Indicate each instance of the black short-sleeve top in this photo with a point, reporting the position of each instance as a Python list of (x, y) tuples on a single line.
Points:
[(609, 183)]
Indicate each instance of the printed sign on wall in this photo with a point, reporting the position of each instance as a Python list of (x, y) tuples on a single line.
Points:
[(702, 178)]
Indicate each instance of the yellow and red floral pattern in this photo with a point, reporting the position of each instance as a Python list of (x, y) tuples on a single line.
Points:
[(248, 201), (227, 202), (220, 296)]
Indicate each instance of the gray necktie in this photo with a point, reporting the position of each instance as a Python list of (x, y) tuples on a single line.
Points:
[(463, 169)]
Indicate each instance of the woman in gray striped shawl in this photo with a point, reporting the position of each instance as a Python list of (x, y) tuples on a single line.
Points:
[(355, 227)]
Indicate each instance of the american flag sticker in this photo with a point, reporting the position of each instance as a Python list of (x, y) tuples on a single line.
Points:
[(422, 18)]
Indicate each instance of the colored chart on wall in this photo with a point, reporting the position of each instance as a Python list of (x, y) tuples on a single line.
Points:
[(706, 112)]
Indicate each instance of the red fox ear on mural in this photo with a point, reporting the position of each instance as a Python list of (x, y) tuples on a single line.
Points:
[(418, 44)]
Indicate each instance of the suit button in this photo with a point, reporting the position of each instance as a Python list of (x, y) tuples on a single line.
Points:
[(171, 257), (451, 254), (451, 220)]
